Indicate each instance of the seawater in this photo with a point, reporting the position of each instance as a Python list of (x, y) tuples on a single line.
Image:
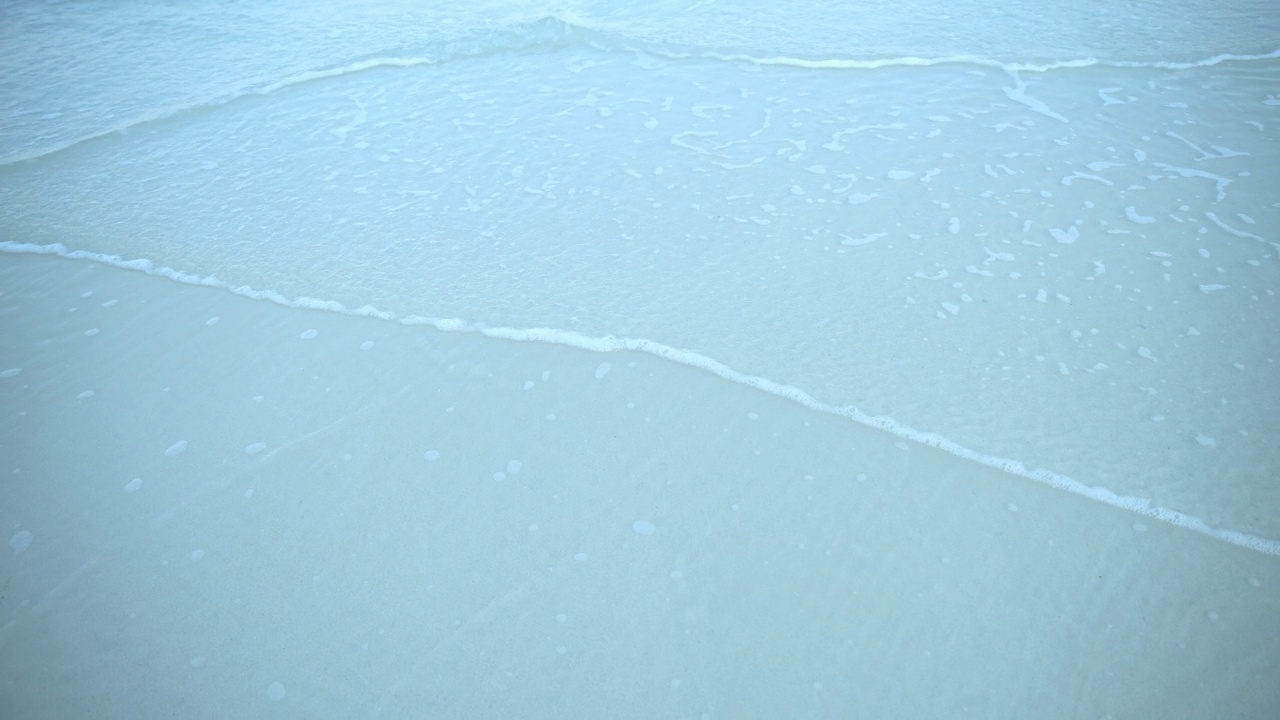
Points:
[(1046, 242)]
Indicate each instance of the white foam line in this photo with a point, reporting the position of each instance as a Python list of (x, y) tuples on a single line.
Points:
[(909, 61), (263, 89), (266, 88), (1140, 506), (1018, 93), (1220, 182), (354, 67), (1239, 233)]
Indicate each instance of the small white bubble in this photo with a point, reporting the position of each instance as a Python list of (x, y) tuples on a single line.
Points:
[(366, 345), (276, 691), (176, 448), (581, 557), (513, 467), (133, 485), (91, 332), (431, 455), (197, 555), (212, 321), (309, 334), (644, 527), (21, 541)]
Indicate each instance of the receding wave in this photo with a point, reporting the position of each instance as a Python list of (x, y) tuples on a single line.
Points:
[(545, 34), (552, 33), (854, 64), (609, 343)]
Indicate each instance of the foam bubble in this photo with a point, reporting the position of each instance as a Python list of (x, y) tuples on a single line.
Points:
[(20, 541)]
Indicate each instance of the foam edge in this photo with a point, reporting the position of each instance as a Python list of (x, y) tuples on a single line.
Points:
[(609, 343)]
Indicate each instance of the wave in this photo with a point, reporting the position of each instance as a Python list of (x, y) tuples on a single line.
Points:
[(609, 343), (1011, 67), (554, 32), (545, 34)]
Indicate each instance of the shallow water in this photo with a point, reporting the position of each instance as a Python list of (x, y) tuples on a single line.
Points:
[(1053, 261), (626, 348)]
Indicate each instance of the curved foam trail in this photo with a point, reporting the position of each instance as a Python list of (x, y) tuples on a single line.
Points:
[(850, 64), (167, 113), (1140, 506), (551, 31), (543, 32)]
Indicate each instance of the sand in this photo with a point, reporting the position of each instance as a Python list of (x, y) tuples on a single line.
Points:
[(223, 507)]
